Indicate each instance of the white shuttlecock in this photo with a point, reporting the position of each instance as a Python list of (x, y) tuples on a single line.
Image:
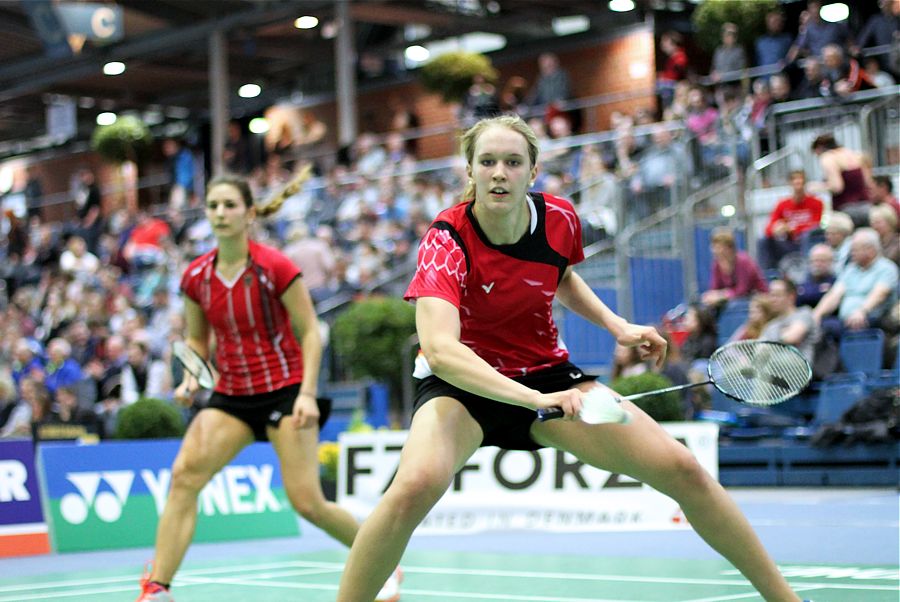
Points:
[(599, 406)]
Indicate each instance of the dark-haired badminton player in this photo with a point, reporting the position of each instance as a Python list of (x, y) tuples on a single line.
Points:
[(268, 351), (487, 273)]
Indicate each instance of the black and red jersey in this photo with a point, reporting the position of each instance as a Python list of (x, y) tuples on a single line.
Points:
[(504, 293), (256, 351)]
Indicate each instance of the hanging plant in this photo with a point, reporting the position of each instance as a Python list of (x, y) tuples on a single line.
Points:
[(128, 139), (748, 15), (451, 74)]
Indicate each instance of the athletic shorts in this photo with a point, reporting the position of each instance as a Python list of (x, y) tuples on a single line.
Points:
[(265, 409), (505, 425)]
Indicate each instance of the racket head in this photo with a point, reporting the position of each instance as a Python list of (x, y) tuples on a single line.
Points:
[(193, 364), (759, 373)]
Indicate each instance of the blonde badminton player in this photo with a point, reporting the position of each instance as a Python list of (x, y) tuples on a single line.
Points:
[(488, 271), (268, 352)]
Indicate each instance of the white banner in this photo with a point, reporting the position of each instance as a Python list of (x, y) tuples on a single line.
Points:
[(544, 490)]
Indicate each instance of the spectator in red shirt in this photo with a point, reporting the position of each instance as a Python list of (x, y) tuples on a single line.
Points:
[(791, 218), (881, 193), (675, 69), (144, 246)]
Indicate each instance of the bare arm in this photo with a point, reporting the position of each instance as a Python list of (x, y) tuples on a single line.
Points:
[(828, 303), (832, 172), (574, 293), (305, 326), (794, 333)]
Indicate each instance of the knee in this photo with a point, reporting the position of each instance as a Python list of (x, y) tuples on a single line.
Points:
[(188, 476), (308, 502), (686, 476), (415, 492)]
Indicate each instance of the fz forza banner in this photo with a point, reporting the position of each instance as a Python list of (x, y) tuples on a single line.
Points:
[(23, 531), (541, 490), (112, 494)]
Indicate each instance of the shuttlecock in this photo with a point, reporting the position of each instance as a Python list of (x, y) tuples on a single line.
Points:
[(599, 406)]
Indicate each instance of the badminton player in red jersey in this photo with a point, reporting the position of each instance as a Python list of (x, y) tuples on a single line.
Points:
[(268, 350), (488, 270)]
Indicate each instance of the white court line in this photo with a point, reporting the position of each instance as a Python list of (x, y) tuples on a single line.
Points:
[(753, 594)]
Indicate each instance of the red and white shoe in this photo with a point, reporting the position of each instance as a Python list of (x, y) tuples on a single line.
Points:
[(152, 591), (390, 591)]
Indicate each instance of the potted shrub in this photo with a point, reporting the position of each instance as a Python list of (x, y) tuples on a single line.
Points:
[(748, 15), (665, 407), (124, 143), (149, 418), (451, 74)]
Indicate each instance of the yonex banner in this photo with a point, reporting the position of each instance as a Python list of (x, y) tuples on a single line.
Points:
[(543, 490), (111, 495), (23, 530)]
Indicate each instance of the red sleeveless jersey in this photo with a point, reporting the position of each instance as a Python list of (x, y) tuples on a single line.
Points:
[(256, 351), (504, 293)]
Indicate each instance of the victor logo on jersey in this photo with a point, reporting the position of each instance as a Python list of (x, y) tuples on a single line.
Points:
[(488, 287)]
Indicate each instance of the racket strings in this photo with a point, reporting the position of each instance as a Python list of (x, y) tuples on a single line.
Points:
[(760, 374)]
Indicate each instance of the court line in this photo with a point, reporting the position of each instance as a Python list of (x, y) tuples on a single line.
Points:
[(752, 594)]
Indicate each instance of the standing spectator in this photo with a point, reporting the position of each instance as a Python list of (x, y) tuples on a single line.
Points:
[(236, 155), (181, 170), (816, 33), (675, 69), (734, 273), (552, 85), (773, 46), (837, 234), (819, 275), (863, 290), (61, 369), (882, 193), (790, 324), (791, 218), (701, 121), (847, 177), (880, 30), (88, 207), (884, 221), (480, 101), (315, 258), (144, 247), (34, 193), (513, 95), (729, 56)]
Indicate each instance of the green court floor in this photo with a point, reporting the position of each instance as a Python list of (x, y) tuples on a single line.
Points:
[(443, 576)]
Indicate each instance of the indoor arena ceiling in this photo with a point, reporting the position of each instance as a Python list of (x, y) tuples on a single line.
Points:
[(165, 45)]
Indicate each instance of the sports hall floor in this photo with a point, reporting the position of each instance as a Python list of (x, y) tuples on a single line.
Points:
[(834, 545)]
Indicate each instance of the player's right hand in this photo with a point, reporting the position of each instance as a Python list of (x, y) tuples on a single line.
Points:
[(569, 401), (184, 393)]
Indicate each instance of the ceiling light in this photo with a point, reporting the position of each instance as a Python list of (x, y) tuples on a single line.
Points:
[(621, 6), (114, 68), (728, 210), (249, 91), (106, 118), (258, 125), (306, 22), (834, 13), (417, 54), (564, 26)]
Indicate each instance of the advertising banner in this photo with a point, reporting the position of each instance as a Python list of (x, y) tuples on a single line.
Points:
[(23, 531), (112, 494), (542, 490)]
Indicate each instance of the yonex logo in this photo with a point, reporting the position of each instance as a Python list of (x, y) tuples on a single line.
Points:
[(488, 287), (74, 507)]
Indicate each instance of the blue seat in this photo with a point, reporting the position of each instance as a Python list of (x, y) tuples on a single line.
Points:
[(862, 350), (731, 317), (838, 393)]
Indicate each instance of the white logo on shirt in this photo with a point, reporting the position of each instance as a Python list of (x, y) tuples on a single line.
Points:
[(487, 287)]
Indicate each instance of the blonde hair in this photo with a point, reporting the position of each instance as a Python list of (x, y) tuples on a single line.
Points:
[(723, 236), (272, 205), (884, 212), (470, 137)]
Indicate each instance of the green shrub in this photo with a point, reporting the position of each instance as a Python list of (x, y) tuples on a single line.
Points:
[(748, 15), (128, 139), (662, 408), (451, 74), (149, 418)]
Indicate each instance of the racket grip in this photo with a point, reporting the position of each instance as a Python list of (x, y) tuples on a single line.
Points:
[(545, 414)]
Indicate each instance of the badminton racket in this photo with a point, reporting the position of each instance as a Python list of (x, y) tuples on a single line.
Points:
[(759, 373), (193, 364)]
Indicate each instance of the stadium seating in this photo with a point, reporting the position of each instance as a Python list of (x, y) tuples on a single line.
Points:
[(862, 350), (732, 316)]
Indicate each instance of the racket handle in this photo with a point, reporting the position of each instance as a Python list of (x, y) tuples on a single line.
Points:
[(545, 414)]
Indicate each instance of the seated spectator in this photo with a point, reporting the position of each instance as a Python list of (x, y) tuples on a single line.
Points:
[(143, 376), (61, 369), (788, 222), (843, 74), (145, 245), (701, 120), (27, 361), (863, 290), (480, 101), (838, 229), (815, 33), (884, 221), (881, 193), (819, 275), (77, 260), (702, 334), (780, 88), (879, 78), (759, 313), (734, 273), (847, 176), (790, 324), (315, 257), (32, 394), (772, 47), (67, 420), (813, 77), (627, 362)]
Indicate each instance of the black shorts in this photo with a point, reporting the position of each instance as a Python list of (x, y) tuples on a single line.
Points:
[(505, 425), (265, 409)]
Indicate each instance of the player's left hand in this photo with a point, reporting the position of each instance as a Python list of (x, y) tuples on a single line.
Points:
[(306, 412), (649, 342)]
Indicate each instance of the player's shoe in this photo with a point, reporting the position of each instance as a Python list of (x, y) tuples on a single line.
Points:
[(390, 591), (152, 591)]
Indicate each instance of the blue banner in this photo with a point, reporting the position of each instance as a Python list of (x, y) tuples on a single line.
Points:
[(23, 530)]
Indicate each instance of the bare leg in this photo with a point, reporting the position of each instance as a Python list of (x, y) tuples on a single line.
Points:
[(645, 451), (212, 440), (442, 436), (297, 451)]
